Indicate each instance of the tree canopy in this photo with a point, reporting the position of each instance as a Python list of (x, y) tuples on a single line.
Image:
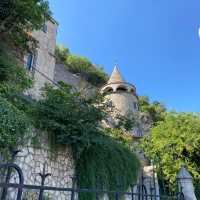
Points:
[(18, 17), (155, 110), (174, 142)]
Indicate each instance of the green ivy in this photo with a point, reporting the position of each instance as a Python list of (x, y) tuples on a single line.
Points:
[(13, 76), (14, 126), (109, 166)]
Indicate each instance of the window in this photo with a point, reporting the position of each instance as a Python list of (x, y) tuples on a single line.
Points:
[(109, 90), (135, 106), (132, 91), (30, 61), (121, 89), (44, 28)]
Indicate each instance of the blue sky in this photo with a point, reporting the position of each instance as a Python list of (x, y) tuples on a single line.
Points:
[(155, 43)]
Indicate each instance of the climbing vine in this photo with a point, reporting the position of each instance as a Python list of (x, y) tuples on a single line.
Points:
[(14, 126)]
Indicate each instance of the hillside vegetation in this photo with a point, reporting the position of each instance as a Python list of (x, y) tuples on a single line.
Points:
[(81, 66)]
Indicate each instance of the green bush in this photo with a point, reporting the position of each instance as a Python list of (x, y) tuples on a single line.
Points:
[(174, 142)]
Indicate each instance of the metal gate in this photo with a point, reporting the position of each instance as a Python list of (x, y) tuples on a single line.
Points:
[(7, 188)]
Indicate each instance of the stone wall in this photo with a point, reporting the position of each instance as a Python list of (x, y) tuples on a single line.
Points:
[(33, 160), (79, 84), (123, 101), (62, 74)]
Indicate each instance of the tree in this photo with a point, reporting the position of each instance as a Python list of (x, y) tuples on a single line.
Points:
[(154, 110), (18, 17), (173, 142)]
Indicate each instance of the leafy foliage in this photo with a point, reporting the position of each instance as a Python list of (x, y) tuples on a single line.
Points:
[(17, 17), (67, 117), (13, 126), (155, 110), (82, 66), (13, 77), (76, 122), (173, 142), (61, 53), (108, 165)]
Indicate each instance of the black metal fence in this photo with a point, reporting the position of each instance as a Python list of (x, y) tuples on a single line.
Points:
[(137, 192)]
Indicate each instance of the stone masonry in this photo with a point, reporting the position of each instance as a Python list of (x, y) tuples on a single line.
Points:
[(44, 57)]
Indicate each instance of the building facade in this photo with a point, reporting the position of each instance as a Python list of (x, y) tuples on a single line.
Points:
[(41, 62)]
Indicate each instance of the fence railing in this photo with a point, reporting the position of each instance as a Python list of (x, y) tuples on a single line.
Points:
[(137, 192)]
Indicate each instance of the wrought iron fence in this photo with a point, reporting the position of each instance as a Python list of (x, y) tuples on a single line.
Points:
[(137, 192)]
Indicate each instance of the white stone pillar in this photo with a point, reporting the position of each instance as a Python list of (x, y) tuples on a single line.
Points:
[(185, 184)]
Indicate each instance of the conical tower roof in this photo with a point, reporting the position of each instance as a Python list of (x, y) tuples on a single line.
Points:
[(115, 76)]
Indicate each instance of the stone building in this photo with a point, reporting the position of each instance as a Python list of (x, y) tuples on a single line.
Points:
[(41, 62)]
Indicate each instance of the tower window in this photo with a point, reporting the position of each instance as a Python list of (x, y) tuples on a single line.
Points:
[(121, 89), (132, 91), (44, 28), (109, 90)]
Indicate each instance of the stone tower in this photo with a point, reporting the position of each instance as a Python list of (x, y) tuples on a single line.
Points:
[(123, 96)]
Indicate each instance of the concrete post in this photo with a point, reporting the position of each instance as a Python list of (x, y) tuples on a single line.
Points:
[(185, 184)]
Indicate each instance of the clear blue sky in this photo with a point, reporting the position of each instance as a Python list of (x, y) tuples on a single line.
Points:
[(155, 43)]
